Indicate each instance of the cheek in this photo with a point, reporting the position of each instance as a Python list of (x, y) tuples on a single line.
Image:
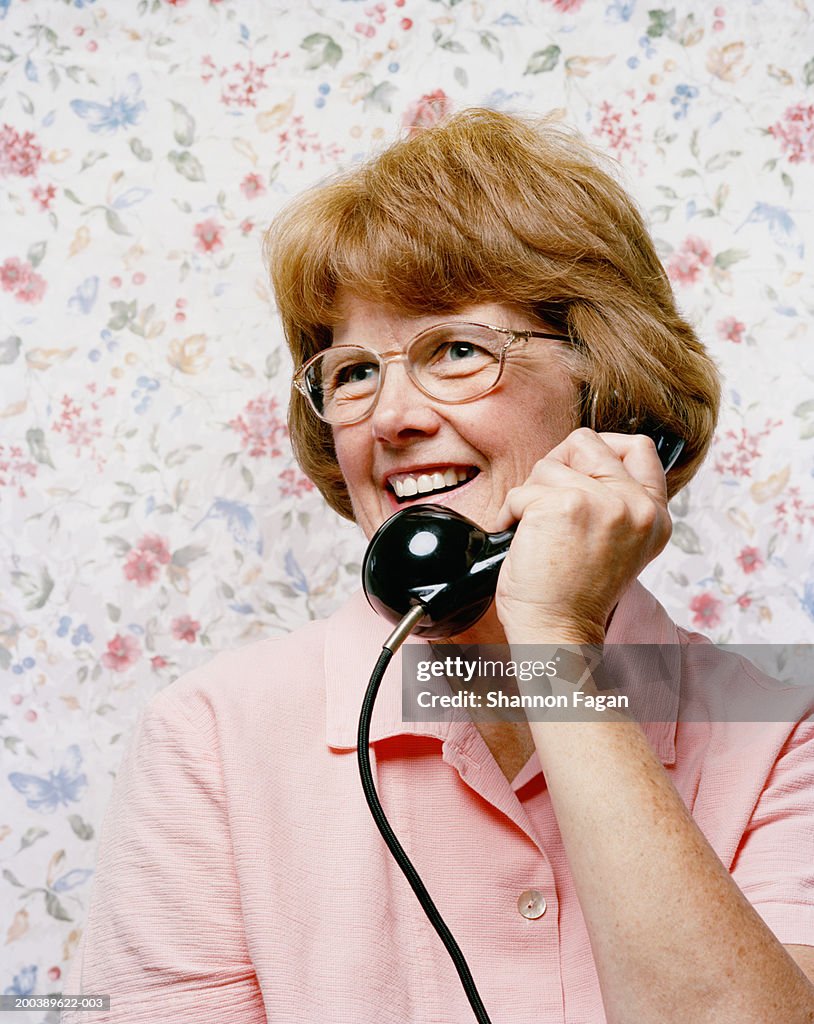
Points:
[(545, 412), (353, 459), (539, 423), (558, 408), (344, 449)]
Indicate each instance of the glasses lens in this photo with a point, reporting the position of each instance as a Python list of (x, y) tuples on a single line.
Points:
[(451, 362), (457, 362), (342, 383)]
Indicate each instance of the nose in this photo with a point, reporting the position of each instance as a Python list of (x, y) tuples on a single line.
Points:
[(402, 412)]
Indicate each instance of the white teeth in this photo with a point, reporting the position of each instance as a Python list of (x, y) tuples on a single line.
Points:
[(406, 485)]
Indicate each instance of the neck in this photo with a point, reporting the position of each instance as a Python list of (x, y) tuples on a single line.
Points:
[(510, 743)]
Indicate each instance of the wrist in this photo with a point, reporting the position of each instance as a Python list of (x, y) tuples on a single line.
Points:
[(550, 635)]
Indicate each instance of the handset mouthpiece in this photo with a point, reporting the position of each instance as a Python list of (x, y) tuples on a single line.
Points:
[(429, 555)]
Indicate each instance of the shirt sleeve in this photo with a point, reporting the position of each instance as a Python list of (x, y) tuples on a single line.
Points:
[(164, 935), (774, 865)]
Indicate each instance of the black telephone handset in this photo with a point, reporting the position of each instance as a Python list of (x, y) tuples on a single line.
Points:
[(431, 556)]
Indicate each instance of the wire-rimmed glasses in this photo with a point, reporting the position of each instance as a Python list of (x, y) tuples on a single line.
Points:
[(451, 363)]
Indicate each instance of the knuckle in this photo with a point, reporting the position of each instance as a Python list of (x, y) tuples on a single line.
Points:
[(617, 511), (646, 517), (644, 441), (574, 503)]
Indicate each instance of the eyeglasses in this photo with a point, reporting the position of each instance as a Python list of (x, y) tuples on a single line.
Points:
[(450, 363)]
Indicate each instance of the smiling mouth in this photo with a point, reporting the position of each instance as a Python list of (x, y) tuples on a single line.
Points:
[(407, 486)]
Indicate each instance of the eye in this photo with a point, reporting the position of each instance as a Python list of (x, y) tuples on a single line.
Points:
[(456, 352), (462, 350), (356, 373)]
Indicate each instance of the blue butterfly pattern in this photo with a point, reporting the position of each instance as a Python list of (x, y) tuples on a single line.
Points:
[(782, 228), (84, 298), (121, 112), (239, 521), (24, 983), (62, 787)]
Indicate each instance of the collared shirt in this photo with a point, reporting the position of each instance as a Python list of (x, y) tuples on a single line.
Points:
[(241, 878)]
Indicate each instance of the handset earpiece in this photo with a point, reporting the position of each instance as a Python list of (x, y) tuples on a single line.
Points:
[(668, 447), (432, 556)]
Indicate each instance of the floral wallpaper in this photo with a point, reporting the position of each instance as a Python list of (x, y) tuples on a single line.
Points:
[(152, 513)]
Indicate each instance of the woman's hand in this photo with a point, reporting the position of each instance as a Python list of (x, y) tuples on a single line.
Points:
[(592, 514)]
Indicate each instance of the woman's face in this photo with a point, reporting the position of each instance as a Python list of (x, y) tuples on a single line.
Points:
[(495, 440)]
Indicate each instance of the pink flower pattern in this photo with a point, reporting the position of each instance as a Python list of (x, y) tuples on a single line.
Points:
[(795, 133), (44, 195), (185, 628), (81, 430), (14, 466), (144, 561), (731, 329), (296, 143), (20, 278), (706, 610), (685, 266), (428, 110), (122, 653), (749, 559), (794, 515), (253, 186), (19, 153), (620, 132), (261, 428), (743, 450), (157, 547), (293, 484), (141, 567), (241, 82), (209, 235)]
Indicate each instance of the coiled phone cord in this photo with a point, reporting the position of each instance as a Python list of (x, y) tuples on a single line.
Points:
[(389, 648)]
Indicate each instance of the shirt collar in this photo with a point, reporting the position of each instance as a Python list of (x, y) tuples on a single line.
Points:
[(353, 642)]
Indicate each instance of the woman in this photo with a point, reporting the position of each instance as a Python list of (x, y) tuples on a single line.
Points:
[(240, 875)]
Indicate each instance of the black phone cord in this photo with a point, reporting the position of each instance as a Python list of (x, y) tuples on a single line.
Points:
[(389, 836)]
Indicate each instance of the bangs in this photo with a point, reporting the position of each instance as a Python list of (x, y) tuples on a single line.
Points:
[(435, 223), (398, 249)]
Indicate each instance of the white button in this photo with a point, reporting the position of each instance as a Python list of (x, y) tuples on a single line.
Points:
[(531, 904)]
